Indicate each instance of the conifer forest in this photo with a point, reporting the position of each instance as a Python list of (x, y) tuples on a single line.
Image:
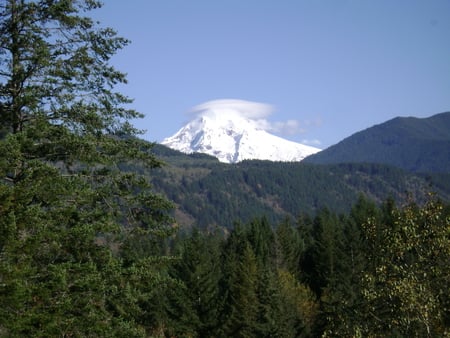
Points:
[(88, 249)]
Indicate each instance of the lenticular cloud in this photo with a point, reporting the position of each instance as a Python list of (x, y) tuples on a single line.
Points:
[(248, 109), (255, 111)]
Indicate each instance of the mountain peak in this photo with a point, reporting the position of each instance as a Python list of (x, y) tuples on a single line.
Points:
[(231, 133)]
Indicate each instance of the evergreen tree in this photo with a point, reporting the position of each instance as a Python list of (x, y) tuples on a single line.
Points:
[(261, 237), (239, 287), (197, 303), (327, 258), (327, 233), (243, 306), (269, 315), (290, 247), (306, 269), (344, 297), (64, 131)]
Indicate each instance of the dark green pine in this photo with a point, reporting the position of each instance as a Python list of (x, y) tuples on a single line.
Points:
[(64, 202)]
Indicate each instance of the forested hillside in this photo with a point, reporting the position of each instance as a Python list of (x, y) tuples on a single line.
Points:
[(373, 272), (209, 193), (414, 144), (89, 248)]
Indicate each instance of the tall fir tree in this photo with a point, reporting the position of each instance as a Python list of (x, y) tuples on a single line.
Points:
[(289, 247), (344, 301), (261, 237), (327, 235), (64, 130), (195, 307), (242, 316), (238, 317)]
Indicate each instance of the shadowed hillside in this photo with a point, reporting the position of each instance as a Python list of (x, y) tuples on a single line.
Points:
[(413, 144)]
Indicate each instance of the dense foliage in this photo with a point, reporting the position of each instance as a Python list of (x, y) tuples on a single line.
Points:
[(207, 192), (65, 207), (374, 272)]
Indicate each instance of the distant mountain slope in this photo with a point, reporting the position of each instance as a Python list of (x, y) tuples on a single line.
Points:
[(225, 132), (414, 144), (209, 193)]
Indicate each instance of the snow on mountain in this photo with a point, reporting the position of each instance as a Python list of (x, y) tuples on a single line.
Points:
[(231, 131)]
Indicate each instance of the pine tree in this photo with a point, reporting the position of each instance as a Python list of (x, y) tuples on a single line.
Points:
[(64, 133), (344, 298), (261, 237), (239, 287), (269, 317), (290, 247), (197, 303), (306, 269), (327, 257), (243, 307), (327, 249)]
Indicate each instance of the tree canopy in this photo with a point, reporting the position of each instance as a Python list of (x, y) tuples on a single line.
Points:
[(64, 202)]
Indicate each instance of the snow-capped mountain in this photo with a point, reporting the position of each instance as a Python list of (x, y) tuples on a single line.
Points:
[(232, 137)]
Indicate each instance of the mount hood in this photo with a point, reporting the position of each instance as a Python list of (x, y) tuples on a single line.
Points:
[(225, 129)]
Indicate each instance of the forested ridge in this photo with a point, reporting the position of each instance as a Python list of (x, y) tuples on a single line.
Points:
[(90, 245), (413, 144), (207, 192)]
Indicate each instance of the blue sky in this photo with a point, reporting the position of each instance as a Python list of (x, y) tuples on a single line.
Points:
[(328, 67)]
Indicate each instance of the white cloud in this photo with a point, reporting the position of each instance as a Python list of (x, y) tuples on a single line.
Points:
[(317, 122), (255, 111), (314, 142), (249, 109), (289, 127)]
